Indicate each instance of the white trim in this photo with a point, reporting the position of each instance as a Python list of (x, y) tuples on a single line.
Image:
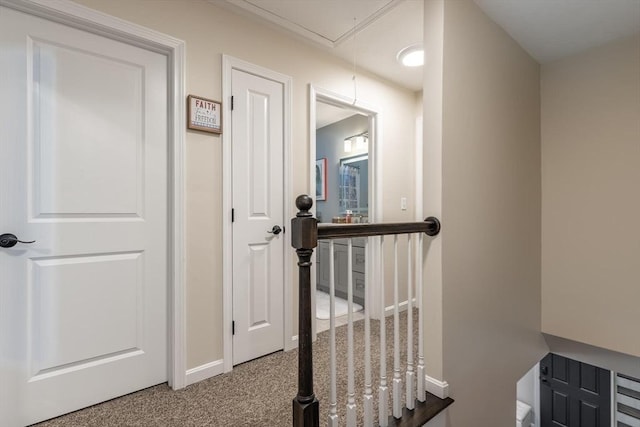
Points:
[(388, 311), (290, 209), (375, 194), (293, 343), (311, 192), (536, 397), (203, 372), (614, 397), (227, 205), (230, 63), (81, 17), (179, 303), (437, 387), (280, 23)]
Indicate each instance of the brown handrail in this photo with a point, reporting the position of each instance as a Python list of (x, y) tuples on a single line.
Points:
[(430, 226)]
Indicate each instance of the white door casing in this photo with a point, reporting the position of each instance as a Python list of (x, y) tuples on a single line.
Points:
[(258, 255), (264, 207), (84, 308)]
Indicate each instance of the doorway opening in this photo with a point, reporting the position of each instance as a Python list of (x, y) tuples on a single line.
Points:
[(343, 145)]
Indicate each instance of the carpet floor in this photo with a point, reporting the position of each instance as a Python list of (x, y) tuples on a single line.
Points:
[(257, 393)]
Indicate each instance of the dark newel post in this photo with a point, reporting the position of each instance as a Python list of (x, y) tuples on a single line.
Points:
[(304, 237)]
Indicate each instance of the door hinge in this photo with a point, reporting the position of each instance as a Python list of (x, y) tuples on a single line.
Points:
[(233, 215), (232, 103), (233, 327)]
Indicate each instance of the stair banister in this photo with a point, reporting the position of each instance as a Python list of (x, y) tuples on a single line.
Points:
[(416, 410)]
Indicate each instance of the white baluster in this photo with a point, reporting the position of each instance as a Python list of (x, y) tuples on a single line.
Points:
[(368, 392), (333, 406), (419, 293), (410, 394), (351, 394), (383, 392), (397, 380)]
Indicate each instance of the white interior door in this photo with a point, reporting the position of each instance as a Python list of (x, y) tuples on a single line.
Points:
[(258, 182), (83, 143)]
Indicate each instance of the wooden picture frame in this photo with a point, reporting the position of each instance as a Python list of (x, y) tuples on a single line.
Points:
[(204, 114), (321, 179)]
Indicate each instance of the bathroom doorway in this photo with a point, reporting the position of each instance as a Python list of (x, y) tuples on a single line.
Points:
[(343, 142)]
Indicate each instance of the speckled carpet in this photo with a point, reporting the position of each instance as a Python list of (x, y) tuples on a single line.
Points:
[(257, 393)]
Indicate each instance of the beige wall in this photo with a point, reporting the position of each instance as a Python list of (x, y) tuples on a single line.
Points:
[(591, 197), (491, 192), (432, 176), (210, 31)]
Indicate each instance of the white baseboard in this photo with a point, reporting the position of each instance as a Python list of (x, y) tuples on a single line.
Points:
[(437, 387), (388, 311), (291, 344), (202, 372)]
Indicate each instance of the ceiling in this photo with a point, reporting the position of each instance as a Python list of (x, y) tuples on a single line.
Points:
[(550, 30), (383, 27), (547, 29)]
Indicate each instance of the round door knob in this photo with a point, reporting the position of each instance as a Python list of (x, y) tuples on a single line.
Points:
[(275, 230), (9, 240)]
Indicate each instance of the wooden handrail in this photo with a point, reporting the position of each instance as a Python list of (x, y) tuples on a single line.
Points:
[(430, 226)]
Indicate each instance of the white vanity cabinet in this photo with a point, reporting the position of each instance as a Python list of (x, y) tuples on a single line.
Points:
[(340, 248)]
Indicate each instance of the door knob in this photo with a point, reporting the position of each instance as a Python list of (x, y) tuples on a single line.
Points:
[(275, 230), (9, 240)]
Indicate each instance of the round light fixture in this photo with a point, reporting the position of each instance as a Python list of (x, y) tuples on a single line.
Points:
[(411, 56)]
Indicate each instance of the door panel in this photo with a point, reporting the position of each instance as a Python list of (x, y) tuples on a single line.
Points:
[(258, 182), (69, 334), (574, 394), (83, 310), (64, 80)]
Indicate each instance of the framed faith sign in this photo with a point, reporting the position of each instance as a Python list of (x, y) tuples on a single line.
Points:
[(204, 114)]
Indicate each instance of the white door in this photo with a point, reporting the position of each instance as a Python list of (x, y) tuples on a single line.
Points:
[(83, 143), (258, 182)]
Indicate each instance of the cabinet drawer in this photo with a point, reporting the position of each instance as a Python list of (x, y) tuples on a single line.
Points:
[(358, 287), (358, 260), (359, 242), (356, 242)]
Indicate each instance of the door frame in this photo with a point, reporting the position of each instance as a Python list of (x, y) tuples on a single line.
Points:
[(318, 94), (80, 17), (229, 63)]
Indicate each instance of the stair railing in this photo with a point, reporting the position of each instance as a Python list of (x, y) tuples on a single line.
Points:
[(305, 235)]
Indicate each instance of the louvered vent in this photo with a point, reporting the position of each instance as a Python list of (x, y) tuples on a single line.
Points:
[(627, 401)]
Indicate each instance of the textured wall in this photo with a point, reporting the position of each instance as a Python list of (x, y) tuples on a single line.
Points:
[(590, 197)]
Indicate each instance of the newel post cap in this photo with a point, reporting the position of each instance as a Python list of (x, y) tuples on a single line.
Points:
[(304, 227)]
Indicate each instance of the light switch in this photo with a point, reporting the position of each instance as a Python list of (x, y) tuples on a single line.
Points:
[(403, 203)]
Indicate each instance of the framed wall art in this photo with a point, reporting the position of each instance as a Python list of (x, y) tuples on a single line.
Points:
[(204, 114), (321, 179)]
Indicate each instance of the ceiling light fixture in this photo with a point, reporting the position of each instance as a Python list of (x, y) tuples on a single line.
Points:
[(411, 56)]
